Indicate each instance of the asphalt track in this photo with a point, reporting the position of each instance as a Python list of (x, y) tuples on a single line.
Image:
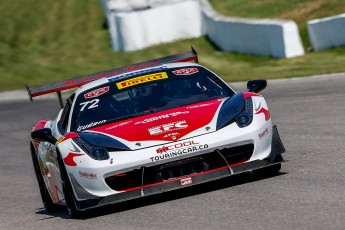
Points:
[(309, 193)]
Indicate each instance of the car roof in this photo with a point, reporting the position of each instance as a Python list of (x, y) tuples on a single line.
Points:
[(119, 77)]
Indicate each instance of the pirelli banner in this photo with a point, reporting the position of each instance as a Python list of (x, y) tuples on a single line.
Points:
[(141, 79)]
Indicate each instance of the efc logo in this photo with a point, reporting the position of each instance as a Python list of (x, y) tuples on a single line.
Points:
[(142, 79), (173, 126)]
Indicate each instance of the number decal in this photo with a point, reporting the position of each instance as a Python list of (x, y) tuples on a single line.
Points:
[(83, 105), (93, 104)]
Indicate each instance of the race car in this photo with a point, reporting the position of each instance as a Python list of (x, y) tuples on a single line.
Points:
[(147, 128)]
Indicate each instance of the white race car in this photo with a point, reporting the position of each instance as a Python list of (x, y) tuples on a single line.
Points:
[(151, 127)]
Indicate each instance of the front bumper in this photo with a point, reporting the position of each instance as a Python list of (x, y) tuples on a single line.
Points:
[(274, 157)]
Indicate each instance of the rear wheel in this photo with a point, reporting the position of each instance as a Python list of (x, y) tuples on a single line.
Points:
[(68, 192), (46, 199), (270, 170)]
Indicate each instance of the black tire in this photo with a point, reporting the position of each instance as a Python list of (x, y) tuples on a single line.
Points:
[(68, 193), (268, 171), (46, 199)]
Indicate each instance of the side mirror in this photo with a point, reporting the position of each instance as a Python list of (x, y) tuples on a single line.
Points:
[(44, 135), (256, 86)]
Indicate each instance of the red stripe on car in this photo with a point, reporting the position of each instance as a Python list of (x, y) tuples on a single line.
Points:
[(265, 112), (69, 159)]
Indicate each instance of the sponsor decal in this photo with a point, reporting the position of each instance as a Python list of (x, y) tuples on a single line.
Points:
[(199, 106), (69, 159), (173, 126), (186, 181), (83, 127), (187, 71), (87, 175), (263, 134), (96, 92), (118, 125), (145, 71), (172, 135), (173, 114), (178, 149), (265, 112), (141, 79), (195, 119)]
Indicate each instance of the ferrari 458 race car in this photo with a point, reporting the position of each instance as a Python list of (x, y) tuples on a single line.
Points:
[(150, 127)]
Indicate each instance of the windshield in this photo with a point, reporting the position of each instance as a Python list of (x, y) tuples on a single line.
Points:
[(140, 95)]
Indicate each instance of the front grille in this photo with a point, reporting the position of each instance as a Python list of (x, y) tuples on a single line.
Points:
[(180, 168), (238, 154)]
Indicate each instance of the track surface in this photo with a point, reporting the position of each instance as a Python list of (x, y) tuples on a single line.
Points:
[(308, 194)]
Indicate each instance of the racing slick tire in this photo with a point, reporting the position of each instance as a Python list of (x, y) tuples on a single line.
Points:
[(46, 199), (68, 192), (268, 171)]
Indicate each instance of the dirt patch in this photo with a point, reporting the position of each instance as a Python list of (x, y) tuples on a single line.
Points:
[(303, 10)]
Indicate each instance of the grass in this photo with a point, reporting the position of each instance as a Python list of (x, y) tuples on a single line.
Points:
[(47, 41), (297, 10)]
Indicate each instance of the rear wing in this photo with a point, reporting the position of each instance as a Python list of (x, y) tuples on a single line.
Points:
[(79, 81)]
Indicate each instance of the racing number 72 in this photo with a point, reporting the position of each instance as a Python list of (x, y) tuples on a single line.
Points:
[(92, 104)]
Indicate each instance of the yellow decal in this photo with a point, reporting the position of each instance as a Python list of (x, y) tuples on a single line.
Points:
[(60, 140), (141, 79)]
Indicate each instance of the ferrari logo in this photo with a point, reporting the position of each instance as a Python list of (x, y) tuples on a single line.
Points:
[(174, 138)]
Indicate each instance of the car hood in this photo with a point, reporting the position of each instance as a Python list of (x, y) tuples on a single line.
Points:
[(169, 125)]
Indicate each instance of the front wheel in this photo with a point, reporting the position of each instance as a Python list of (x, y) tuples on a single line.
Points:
[(46, 199), (68, 192)]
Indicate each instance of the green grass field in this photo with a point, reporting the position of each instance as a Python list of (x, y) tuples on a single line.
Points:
[(300, 11), (46, 41)]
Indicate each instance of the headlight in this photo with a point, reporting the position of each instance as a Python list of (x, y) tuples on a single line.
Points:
[(245, 118), (95, 152)]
